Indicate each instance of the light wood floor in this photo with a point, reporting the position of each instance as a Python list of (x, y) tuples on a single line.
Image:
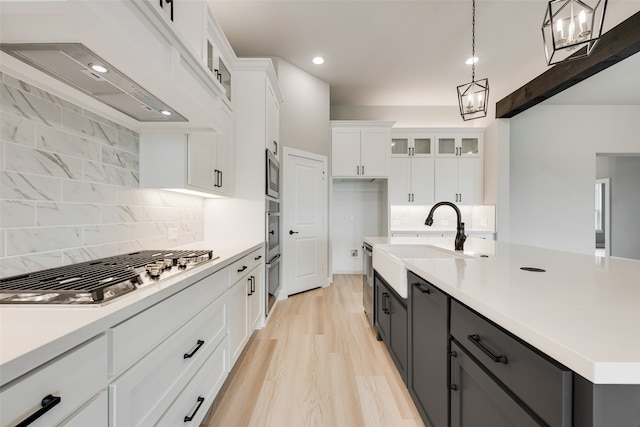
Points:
[(316, 363)]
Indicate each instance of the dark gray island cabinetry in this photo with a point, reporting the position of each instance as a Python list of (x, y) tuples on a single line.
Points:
[(428, 346), (391, 323)]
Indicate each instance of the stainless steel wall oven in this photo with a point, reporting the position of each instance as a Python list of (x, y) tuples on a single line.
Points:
[(273, 252)]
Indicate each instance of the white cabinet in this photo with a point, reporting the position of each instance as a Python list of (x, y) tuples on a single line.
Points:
[(359, 149), (93, 413), (411, 170), (57, 388), (458, 168), (199, 161), (273, 121), (246, 300)]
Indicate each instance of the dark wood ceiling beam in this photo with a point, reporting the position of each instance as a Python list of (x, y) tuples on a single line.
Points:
[(615, 45)]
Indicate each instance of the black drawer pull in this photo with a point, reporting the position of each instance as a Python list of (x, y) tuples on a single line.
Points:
[(48, 402), (189, 355), (424, 290), (188, 418), (475, 338), (240, 270), (257, 258), (453, 387), (253, 284)]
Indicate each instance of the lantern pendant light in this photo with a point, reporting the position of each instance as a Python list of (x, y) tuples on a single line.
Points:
[(473, 98), (571, 28)]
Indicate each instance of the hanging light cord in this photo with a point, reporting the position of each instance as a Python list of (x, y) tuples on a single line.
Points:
[(473, 41)]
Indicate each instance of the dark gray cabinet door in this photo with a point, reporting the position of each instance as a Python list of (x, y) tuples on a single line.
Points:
[(476, 399), (383, 320), (429, 365), (398, 336)]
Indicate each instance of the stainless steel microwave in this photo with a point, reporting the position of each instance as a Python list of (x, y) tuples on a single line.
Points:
[(273, 175)]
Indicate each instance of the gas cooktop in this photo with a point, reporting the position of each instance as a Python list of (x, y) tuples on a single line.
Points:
[(99, 281)]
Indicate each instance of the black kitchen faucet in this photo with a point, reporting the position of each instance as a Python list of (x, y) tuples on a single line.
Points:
[(460, 236)]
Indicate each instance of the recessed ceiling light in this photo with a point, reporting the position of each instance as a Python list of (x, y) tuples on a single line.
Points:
[(318, 60), (472, 60), (98, 68), (166, 112)]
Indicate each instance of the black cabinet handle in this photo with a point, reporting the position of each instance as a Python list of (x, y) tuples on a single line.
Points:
[(198, 345), (240, 270), (220, 183), (385, 307), (188, 418), (275, 146), (453, 387), (257, 258), (293, 232), (253, 284), (421, 289), (48, 402), (272, 232), (475, 338)]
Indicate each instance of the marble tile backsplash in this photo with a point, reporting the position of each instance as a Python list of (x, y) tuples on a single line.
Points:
[(69, 186)]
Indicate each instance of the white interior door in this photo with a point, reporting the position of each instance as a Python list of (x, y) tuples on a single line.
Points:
[(304, 215)]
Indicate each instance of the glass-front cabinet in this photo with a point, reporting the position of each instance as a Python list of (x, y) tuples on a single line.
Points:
[(458, 146), (403, 146)]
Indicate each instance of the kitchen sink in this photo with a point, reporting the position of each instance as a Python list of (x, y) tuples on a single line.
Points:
[(388, 261)]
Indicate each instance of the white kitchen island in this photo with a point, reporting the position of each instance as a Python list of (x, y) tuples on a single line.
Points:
[(582, 311)]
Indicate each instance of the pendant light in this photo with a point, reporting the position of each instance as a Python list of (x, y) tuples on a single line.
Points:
[(473, 97), (571, 28)]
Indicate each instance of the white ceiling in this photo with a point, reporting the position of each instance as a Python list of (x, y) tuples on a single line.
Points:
[(397, 52)]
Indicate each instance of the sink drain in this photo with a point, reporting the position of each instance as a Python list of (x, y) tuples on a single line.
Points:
[(534, 269)]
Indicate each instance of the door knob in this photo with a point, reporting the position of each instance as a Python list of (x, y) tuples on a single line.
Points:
[(293, 232)]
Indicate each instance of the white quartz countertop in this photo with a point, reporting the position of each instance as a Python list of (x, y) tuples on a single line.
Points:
[(583, 311), (31, 335)]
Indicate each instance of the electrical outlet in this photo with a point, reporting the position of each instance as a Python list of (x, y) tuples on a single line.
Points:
[(354, 253), (172, 234)]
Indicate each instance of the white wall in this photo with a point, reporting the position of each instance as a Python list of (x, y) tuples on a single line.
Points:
[(496, 174), (359, 209), (304, 114), (624, 174), (553, 168)]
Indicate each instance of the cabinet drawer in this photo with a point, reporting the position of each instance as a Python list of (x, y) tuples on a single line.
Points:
[(139, 396), (132, 339), (542, 384), (94, 413), (74, 377), (244, 265), (191, 406)]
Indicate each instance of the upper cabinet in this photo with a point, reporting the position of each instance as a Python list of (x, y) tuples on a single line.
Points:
[(359, 149), (273, 120), (458, 168), (411, 168), (198, 162)]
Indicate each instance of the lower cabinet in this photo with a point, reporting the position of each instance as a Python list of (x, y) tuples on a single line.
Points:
[(476, 397), (429, 341), (91, 414), (391, 323)]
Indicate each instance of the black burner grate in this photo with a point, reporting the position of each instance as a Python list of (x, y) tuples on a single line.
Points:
[(91, 276)]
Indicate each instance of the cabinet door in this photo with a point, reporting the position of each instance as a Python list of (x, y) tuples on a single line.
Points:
[(400, 147), (273, 121), (383, 320), (345, 152), (399, 190), (224, 154), (476, 396), (237, 318), (470, 180), (398, 339), (201, 158), (373, 152), (446, 179), (256, 297), (422, 180), (429, 342)]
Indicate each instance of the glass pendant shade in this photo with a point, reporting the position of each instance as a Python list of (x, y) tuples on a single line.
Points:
[(571, 28), (473, 99)]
